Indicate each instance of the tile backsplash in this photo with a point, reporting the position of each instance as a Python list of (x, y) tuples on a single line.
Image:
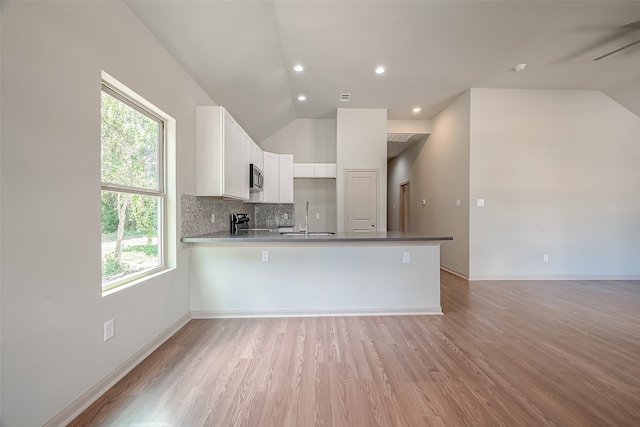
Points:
[(267, 215), (196, 214)]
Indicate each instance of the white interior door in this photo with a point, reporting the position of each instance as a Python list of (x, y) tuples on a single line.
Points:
[(362, 201)]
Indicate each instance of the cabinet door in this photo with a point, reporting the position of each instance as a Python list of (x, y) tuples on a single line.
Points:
[(303, 170), (286, 178), (325, 170), (256, 156), (271, 178), (222, 155), (240, 163), (229, 131), (209, 152), (259, 158)]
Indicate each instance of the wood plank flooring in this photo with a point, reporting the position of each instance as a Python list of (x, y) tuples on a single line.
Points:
[(548, 353)]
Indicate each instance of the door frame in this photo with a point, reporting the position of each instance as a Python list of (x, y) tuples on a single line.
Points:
[(401, 204), (346, 195)]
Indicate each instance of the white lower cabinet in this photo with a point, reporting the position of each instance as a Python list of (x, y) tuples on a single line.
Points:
[(278, 178)]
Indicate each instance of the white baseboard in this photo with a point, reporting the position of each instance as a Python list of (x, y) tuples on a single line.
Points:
[(454, 272), (558, 277), (313, 312), (76, 407)]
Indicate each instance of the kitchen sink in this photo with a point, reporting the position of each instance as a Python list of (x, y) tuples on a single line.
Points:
[(311, 233)]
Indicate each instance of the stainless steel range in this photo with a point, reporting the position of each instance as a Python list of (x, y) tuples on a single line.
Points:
[(239, 222)]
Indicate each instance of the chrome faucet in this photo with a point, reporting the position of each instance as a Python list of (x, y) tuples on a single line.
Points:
[(306, 221)]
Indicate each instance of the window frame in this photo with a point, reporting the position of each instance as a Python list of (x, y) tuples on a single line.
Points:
[(137, 103)]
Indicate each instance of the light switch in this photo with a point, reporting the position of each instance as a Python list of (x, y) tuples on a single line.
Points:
[(406, 257), (480, 202), (317, 216), (458, 203), (265, 256)]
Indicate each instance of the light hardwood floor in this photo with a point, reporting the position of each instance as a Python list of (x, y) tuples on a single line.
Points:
[(534, 353)]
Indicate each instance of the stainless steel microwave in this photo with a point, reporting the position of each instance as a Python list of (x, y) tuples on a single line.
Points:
[(256, 179)]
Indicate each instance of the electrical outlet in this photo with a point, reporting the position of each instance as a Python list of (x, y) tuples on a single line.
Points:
[(317, 216), (480, 202), (213, 217), (545, 258), (458, 203), (265, 256), (285, 216), (406, 257), (109, 329), (423, 202)]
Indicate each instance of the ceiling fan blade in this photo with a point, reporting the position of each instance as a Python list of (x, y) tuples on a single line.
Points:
[(617, 50), (635, 24)]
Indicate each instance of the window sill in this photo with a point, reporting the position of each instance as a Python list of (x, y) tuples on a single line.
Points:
[(150, 276)]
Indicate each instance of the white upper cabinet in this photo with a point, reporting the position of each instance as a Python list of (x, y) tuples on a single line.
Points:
[(222, 155), (314, 170), (271, 170), (256, 155), (286, 178), (241, 143), (303, 170), (278, 178), (325, 170)]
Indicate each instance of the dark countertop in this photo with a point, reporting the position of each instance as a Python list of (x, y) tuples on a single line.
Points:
[(275, 237)]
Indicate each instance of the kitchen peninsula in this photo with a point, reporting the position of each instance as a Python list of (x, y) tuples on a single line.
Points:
[(262, 273)]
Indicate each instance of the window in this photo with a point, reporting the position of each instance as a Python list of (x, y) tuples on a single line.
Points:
[(133, 189)]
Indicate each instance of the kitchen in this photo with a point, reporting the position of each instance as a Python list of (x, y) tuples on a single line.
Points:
[(571, 190), (354, 271)]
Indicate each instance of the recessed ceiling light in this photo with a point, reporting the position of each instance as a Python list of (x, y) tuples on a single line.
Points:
[(301, 97), (380, 70), (417, 109), (298, 68), (519, 67)]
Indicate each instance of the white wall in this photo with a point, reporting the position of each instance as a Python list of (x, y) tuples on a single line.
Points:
[(627, 93), (321, 195), (409, 126), (310, 141), (361, 144), (52, 309), (559, 174), (438, 171)]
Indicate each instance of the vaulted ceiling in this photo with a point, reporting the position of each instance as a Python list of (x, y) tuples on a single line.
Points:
[(243, 52)]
